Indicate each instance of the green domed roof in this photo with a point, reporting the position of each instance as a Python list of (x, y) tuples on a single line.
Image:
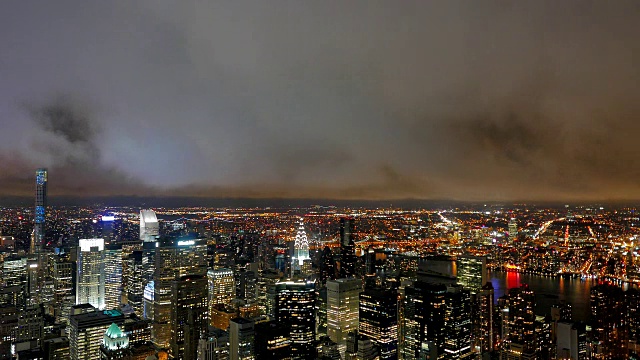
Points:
[(114, 331)]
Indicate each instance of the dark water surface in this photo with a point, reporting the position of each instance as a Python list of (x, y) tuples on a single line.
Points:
[(548, 290)]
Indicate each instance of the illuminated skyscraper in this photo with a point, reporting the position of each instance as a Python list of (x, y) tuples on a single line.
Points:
[(86, 332), (149, 227), (300, 249), (436, 322), (342, 308), (63, 286), (295, 308), (472, 275), (40, 211), (610, 320), (189, 318), (472, 272), (113, 276), (519, 339), (457, 323), (222, 287), (379, 320), (149, 235), (90, 282), (513, 229), (147, 300), (176, 257), (134, 281)]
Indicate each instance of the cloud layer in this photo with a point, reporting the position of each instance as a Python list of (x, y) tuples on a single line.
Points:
[(499, 100)]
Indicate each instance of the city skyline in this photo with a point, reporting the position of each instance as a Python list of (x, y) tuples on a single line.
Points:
[(480, 101)]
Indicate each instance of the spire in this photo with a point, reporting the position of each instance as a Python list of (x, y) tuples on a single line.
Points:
[(302, 243)]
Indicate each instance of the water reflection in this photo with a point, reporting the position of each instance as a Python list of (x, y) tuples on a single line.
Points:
[(548, 290)]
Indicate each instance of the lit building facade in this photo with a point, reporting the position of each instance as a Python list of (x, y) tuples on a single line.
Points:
[(378, 320), (86, 332), (40, 210), (472, 272), (90, 280), (222, 287), (487, 336), (519, 337), (63, 286), (295, 308), (610, 320), (149, 227), (113, 276), (342, 308), (189, 318), (115, 344), (176, 257), (457, 324), (300, 250)]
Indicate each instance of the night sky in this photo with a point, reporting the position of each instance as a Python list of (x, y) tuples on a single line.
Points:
[(465, 100)]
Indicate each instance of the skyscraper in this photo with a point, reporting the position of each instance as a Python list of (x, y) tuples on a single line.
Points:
[(342, 308), (487, 335), (436, 322), (113, 276), (189, 318), (347, 249), (222, 287), (513, 229), (149, 227), (345, 230), (300, 249), (241, 339), (519, 340), (457, 323), (472, 272), (295, 308), (378, 320), (63, 285), (86, 332), (610, 320), (423, 320), (134, 280), (327, 266), (40, 211), (90, 281), (149, 235), (176, 257)]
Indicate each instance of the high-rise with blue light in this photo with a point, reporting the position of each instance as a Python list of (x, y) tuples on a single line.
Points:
[(40, 210)]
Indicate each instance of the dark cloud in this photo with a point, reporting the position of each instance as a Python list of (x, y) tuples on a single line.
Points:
[(64, 118), (365, 99)]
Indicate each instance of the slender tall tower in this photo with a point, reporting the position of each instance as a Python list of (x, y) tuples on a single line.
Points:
[(40, 211), (347, 249)]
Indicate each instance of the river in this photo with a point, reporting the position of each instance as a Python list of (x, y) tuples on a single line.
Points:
[(548, 290)]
